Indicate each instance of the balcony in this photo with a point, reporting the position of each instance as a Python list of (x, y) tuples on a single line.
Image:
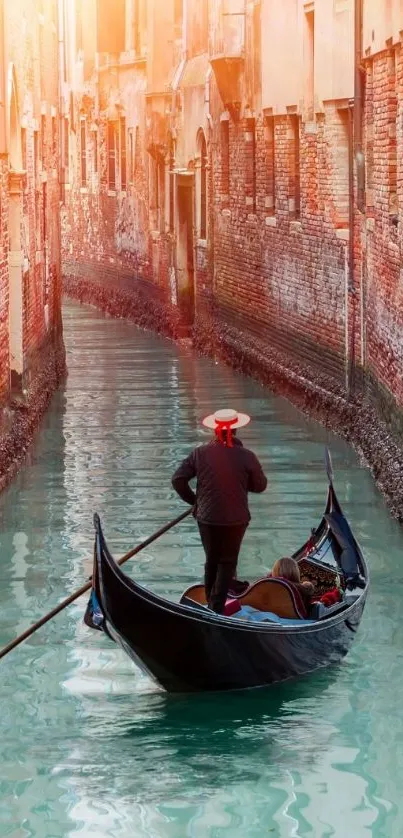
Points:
[(157, 122), (227, 52)]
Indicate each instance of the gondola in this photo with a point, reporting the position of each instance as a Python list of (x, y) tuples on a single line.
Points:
[(186, 647)]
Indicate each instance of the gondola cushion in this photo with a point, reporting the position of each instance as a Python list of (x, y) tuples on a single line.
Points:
[(252, 614), (231, 607)]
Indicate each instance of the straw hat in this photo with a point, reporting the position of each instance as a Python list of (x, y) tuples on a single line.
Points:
[(225, 419)]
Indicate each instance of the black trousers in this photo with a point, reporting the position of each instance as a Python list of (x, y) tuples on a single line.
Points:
[(221, 546)]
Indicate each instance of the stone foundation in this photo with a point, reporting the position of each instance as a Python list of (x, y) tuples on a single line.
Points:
[(142, 305), (21, 417), (361, 419)]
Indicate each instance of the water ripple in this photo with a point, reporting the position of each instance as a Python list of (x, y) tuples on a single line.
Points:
[(89, 746)]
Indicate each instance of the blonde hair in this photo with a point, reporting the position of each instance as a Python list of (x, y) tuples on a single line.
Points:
[(287, 569)]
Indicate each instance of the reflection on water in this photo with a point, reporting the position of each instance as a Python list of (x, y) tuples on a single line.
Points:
[(89, 746)]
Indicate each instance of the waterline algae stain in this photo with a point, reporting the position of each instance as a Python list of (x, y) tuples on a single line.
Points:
[(88, 745)]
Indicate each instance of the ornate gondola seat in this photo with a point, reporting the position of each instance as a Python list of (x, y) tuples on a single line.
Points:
[(276, 595)]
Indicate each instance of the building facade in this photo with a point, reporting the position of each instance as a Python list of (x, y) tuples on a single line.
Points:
[(31, 345), (238, 160)]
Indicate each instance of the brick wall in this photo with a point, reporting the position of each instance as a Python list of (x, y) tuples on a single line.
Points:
[(31, 40), (282, 274), (382, 256)]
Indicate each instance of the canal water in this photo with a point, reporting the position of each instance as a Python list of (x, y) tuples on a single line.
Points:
[(88, 745)]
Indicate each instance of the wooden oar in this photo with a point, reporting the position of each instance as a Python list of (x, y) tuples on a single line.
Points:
[(87, 586), (329, 466)]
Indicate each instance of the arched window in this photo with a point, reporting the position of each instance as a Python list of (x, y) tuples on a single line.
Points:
[(171, 166)]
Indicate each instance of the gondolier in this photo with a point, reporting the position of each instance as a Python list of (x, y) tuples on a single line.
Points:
[(225, 473), (267, 640)]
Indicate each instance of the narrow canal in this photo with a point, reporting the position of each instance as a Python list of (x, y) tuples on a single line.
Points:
[(88, 745)]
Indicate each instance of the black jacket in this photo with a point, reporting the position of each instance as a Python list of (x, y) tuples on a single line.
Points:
[(224, 478)]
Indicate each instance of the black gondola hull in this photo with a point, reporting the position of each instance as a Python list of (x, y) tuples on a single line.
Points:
[(189, 648), (183, 651)]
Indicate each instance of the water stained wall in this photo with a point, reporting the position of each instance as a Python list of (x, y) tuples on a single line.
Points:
[(31, 342)]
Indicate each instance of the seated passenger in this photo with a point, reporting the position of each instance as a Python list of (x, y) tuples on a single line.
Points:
[(288, 569)]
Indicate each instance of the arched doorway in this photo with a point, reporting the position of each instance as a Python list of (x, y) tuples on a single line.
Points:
[(15, 256)]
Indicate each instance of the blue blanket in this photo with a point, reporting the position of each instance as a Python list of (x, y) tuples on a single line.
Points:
[(251, 614)]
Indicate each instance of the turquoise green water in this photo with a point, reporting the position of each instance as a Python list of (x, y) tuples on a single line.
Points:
[(88, 745)]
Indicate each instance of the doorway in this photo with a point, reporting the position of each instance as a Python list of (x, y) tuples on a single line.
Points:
[(185, 249)]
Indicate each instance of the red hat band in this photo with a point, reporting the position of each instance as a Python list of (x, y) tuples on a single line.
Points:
[(225, 425)]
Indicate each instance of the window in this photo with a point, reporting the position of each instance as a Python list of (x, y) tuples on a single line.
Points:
[(36, 153), (157, 193), (136, 26), (139, 26), (161, 194), (54, 135), (171, 185), (294, 196), (38, 224), (136, 150), (225, 165), (178, 17), (79, 28), (112, 155), (43, 139), (83, 143), (123, 162), (250, 151), (154, 196), (309, 63), (66, 139), (44, 231), (270, 154), (95, 151), (131, 155), (197, 26), (111, 26), (340, 179)]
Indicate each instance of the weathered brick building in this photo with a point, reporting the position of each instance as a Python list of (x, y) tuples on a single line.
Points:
[(234, 166), (31, 344)]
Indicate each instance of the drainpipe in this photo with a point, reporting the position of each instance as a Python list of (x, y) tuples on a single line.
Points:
[(355, 156), (349, 259), (346, 318), (358, 104)]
